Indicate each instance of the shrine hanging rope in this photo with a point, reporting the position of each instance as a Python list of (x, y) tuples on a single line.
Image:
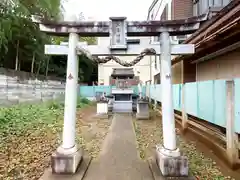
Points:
[(145, 52)]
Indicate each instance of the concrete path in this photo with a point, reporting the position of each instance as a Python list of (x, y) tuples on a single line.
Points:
[(119, 159)]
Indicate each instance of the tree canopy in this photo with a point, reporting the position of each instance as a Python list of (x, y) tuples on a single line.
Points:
[(22, 43)]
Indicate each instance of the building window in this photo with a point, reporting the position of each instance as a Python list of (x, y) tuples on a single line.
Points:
[(156, 38), (202, 6), (226, 2), (217, 3), (195, 9), (210, 3)]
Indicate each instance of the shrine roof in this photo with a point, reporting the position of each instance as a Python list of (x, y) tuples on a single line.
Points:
[(123, 71)]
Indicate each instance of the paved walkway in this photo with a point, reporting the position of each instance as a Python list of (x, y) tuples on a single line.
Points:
[(119, 159)]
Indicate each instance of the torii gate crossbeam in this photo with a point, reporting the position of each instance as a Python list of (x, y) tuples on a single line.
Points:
[(131, 28), (68, 156), (132, 50)]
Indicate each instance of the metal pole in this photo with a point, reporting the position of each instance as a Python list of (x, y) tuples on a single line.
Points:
[(71, 94), (140, 90), (169, 135), (149, 87)]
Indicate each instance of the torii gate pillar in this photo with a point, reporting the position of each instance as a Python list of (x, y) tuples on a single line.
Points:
[(169, 160), (69, 155)]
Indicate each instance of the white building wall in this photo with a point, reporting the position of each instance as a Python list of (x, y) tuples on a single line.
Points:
[(156, 69), (155, 14), (159, 8), (105, 70)]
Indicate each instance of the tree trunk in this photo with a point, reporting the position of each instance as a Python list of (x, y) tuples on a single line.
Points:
[(33, 61), (47, 67), (39, 66), (19, 64), (17, 60)]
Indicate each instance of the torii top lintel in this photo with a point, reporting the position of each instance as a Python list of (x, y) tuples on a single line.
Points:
[(132, 28)]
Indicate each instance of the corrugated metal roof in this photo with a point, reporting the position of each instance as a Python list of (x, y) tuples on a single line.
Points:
[(123, 71)]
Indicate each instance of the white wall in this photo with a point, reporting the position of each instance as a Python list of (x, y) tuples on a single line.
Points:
[(156, 70), (105, 70)]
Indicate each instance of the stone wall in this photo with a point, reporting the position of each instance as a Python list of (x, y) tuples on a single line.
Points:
[(18, 86)]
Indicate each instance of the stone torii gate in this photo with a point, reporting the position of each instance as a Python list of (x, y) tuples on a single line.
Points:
[(68, 156)]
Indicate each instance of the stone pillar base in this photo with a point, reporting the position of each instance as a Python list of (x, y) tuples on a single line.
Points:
[(142, 116), (171, 163), (142, 110), (157, 175), (102, 107), (66, 163)]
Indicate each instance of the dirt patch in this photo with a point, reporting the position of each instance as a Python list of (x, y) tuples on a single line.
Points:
[(93, 131), (26, 156), (149, 133)]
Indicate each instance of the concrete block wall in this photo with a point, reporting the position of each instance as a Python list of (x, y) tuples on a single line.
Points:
[(18, 87)]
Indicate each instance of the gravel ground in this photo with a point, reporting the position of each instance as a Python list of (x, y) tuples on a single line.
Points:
[(149, 133), (93, 132), (26, 156)]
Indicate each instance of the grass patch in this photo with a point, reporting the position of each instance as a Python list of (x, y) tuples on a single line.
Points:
[(29, 133), (16, 119)]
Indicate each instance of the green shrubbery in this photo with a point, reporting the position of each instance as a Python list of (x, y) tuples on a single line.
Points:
[(15, 119), (82, 102)]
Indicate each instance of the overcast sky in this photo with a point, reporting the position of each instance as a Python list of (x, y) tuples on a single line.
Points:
[(103, 9)]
